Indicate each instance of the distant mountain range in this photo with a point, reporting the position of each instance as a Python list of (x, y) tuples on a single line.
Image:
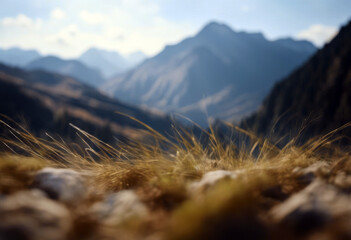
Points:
[(92, 67), (48, 102), (72, 68), (18, 57), (218, 73), (135, 58), (110, 63), (223, 72), (316, 98)]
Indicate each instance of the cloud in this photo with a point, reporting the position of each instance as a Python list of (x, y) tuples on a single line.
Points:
[(91, 18), (318, 34), (57, 13), (65, 36), (125, 26), (61, 41), (21, 21)]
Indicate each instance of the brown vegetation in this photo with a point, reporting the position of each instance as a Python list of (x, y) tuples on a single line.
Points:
[(179, 190)]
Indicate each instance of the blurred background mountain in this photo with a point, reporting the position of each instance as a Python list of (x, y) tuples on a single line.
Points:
[(18, 57), (218, 73), (110, 63), (315, 98), (46, 102), (159, 63)]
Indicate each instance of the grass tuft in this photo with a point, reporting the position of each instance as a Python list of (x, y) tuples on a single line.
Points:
[(161, 171)]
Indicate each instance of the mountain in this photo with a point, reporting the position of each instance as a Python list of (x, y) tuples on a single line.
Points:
[(72, 68), (296, 45), (317, 96), (110, 63), (48, 102), (17, 56), (218, 73), (136, 57)]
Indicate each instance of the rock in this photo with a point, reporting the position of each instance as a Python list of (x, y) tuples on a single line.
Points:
[(120, 207), (65, 185), (343, 181), (308, 174), (211, 178), (312, 208), (30, 215)]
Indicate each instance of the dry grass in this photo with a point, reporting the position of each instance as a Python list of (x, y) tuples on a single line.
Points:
[(161, 172)]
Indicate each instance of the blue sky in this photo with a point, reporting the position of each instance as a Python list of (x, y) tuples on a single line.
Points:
[(69, 27)]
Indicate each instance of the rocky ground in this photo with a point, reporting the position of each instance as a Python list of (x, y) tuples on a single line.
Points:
[(261, 201)]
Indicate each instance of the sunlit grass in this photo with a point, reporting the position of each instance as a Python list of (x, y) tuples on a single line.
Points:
[(161, 171)]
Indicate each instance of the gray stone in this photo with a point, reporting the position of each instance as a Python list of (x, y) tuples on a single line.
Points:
[(65, 185), (119, 207), (313, 207), (211, 178), (343, 181), (30, 215), (308, 174)]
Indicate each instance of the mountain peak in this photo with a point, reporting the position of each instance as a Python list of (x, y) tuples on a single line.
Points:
[(110, 62), (214, 24), (72, 68), (91, 50), (210, 72), (222, 30), (16, 56), (215, 28), (98, 51)]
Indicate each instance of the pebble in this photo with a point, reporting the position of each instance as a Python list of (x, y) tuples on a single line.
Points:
[(65, 185), (211, 178), (30, 215), (119, 207)]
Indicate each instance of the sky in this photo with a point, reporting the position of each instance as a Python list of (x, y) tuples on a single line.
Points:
[(69, 27)]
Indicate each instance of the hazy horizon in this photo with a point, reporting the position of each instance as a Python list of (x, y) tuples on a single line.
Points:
[(67, 29), (173, 43)]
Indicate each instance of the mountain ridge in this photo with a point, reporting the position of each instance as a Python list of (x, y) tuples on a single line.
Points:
[(16, 56), (110, 63), (49, 102), (315, 98), (72, 68), (237, 53)]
